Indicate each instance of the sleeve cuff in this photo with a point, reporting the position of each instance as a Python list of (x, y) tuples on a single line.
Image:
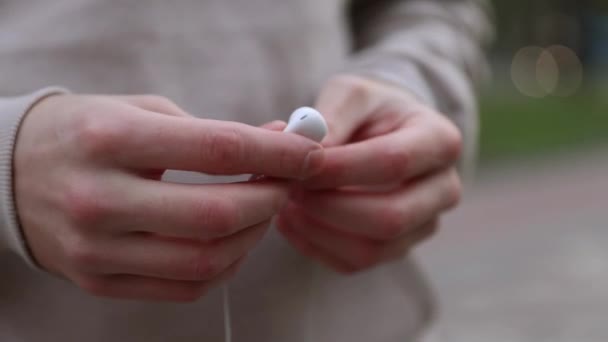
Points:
[(12, 112)]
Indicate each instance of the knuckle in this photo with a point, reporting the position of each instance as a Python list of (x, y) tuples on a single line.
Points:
[(396, 163), (348, 90), (452, 141), (218, 217), (277, 200), (81, 254), (158, 101), (203, 267), (83, 203), (356, 87), (98, 137), (453, 189), (224, 147), (392, 221)]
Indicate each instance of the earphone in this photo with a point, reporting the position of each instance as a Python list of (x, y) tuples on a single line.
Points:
[(307, 122), (304, 121)]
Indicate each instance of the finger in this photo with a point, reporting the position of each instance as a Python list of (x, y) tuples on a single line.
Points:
[(400, 247), (195, 211), (273, 126), (215, 147), (153, 103), (384, 216), (398, 156), (302, 245), (298, 233), (354, 251), (153, 256), (152, 289), (351, 250)]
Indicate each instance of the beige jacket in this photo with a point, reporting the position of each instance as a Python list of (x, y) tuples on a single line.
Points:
[(245, 60)]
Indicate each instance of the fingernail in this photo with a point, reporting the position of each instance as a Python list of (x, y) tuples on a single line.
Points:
[(313, 163)]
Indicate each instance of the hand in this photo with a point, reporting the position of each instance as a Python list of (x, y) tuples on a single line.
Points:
[(388, 175), (94, 210)]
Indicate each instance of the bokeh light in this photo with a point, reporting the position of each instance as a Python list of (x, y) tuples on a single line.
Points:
[(547, 72), (523, 71), (570, 70), (539, 72)]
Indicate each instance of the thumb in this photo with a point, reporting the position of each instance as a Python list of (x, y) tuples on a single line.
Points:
[(344, 108), (343, 120)]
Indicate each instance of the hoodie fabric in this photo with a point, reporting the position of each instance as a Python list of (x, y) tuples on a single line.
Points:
[(243, 60)]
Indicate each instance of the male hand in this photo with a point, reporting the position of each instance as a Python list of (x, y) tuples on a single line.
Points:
[(389, 173), (94, 210)]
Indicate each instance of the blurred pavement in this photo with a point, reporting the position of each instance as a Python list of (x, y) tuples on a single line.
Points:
[(526, 257)]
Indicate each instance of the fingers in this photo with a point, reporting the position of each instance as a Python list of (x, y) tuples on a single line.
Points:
[(393, 157), (151, 289), (306, 248), (154, 256), (203, 212), (383, 216), (345, 252), (397, 248), (323, 243), (216, 147)]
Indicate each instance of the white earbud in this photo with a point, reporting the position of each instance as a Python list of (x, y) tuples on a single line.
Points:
[(307, 122)]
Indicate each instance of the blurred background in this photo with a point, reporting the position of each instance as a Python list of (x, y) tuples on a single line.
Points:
[(526, 257)]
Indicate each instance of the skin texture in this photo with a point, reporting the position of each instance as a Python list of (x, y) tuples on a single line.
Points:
[(389, 173), (94, 211)]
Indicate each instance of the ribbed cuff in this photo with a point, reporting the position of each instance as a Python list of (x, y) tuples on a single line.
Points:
[(12, 112)]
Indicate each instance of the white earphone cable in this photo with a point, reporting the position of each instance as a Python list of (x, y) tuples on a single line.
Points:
[(309, 123), (227, 317)]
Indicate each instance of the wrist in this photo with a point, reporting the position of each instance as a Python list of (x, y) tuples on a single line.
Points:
[(12, 112)]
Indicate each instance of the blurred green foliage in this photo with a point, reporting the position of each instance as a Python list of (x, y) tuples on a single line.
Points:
[(513, 125)]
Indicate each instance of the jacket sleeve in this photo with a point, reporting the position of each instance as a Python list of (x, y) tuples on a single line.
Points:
[(12, 112), (433, 48)]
